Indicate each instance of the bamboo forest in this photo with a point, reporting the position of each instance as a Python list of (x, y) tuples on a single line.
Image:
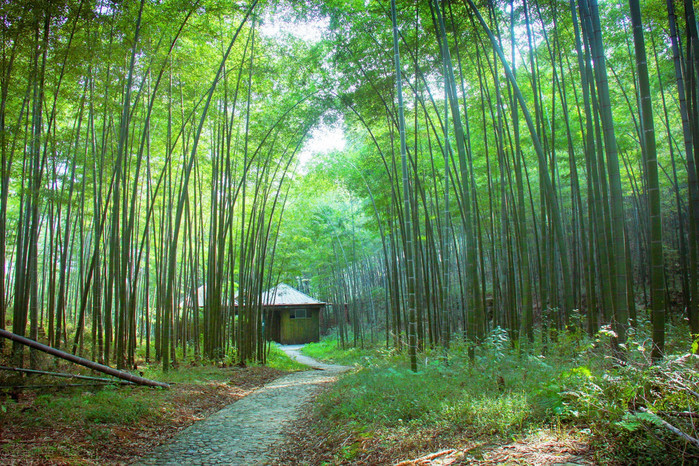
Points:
[(493, 206)]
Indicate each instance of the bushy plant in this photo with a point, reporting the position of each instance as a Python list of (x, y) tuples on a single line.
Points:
[(620, 400), (630, 406)]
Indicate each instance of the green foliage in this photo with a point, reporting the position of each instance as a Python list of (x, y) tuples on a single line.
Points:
[(634, 421), (103, 407), (505, 392), (330, 350), (324, 226), (624, 405), (277, 359), (496, 395), (623, 401), (192, 373)]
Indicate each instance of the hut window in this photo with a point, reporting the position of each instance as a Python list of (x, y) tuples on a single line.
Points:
[(300, 314)]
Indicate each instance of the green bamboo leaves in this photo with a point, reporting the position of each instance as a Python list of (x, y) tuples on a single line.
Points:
[(498, 173)]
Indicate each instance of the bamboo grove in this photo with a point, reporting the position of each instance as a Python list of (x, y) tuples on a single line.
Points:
[(146, 150), (528, 165), (551, 178)]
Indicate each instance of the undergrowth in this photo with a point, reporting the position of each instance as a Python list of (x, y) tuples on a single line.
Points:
[(107, 406), (621, 408), (115, 424), (186, 373), (51, 422), (278, 359), (330, 350), (204, 371)]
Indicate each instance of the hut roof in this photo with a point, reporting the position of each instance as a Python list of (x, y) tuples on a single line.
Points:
[(284, 295), (201, 297)]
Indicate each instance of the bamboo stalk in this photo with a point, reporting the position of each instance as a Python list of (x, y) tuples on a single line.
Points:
[(81, 361), (62, 374)]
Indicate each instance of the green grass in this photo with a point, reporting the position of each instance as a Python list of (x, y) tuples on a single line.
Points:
[(330, 350), (506, 393), (487, 398), (187, 373), (277, 359), (106, 406)]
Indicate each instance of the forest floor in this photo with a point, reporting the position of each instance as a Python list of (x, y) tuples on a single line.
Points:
[(111, 426), (244, 432), (503, 409), (337, 429), (306, 445), (308, 442), (89, 426)]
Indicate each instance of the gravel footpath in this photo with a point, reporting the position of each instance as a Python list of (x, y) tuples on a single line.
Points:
[(244, 432)]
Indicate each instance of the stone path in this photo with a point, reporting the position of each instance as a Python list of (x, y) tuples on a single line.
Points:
[(244, 432)]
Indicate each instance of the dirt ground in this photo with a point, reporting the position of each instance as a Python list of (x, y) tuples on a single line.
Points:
[(30, 437)]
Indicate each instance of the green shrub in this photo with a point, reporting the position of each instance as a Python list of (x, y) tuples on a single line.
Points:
[(625, 404)]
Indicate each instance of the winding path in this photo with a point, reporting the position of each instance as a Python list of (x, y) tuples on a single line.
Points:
[(244, 432)]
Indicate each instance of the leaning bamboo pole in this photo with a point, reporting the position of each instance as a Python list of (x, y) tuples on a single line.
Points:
[(81, 361), (63, 375)]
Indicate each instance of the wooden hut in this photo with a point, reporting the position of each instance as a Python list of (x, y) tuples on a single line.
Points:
[(291, 317)]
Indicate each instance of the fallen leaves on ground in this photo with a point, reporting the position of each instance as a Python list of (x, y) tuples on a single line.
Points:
[(538, 450), (440, 458), (30, 436), (310, 440)]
